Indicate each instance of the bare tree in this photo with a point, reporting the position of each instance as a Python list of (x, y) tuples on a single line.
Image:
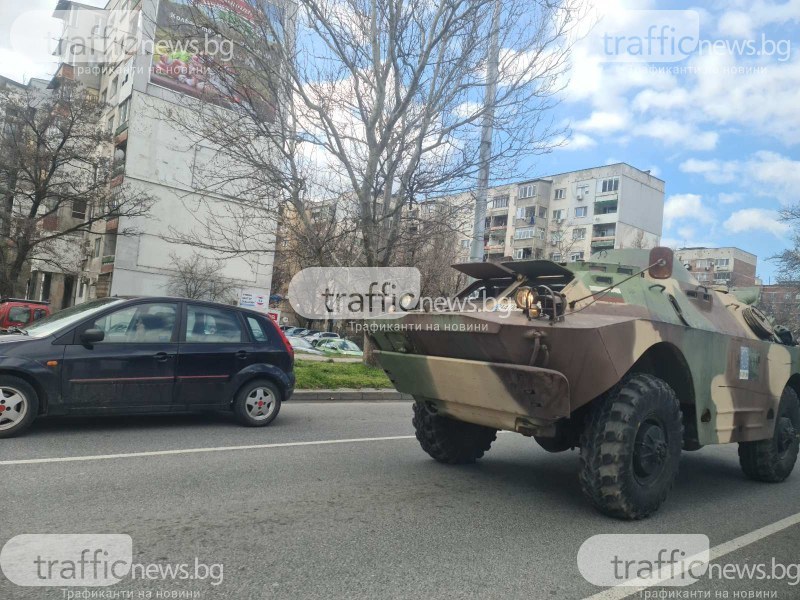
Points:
[(562, 239), (199, 278), (376, 103), (56, 177)]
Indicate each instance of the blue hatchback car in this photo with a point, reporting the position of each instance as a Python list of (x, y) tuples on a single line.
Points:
[(145, 355)]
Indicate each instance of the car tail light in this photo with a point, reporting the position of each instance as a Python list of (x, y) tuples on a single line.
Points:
[(284, 339)]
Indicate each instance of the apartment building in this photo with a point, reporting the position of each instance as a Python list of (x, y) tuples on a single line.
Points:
[(569, 216), (720, 266), (153, 155)]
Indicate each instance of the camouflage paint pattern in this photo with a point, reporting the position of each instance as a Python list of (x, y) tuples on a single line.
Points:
[(524, 375)]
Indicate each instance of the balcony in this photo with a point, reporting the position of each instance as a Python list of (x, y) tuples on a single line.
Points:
[(107, 264), (603, 242)]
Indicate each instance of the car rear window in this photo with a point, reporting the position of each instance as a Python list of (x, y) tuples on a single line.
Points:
[(257, 329)]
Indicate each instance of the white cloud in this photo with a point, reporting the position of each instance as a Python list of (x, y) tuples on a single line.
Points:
[(715, 171), (686, 206), (577, 141), (756, 219), (603, 122), (765, 173), (673, 133), (725, 198), (651, 99)]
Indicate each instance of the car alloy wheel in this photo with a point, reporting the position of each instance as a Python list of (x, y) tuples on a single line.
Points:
[(260, 403), (14, 407)]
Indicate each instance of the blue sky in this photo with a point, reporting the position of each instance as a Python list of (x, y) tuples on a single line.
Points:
[(721, 127)]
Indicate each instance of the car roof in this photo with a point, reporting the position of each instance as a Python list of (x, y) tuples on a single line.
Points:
[(135, 299)]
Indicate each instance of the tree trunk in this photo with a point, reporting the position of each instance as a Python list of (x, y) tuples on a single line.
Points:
[(370, 358)]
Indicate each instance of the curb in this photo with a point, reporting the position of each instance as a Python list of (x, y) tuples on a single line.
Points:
[(350, 395)]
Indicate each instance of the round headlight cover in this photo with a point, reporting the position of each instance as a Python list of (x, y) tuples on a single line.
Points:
[(526, 299)]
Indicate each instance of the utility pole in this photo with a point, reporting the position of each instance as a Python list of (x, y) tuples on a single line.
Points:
[(487, 129)]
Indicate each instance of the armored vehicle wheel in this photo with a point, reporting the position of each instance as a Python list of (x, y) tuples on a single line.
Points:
[(772, 460), (631, 447), (450, 441)]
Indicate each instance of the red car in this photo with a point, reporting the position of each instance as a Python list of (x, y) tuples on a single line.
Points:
[(16, 312)]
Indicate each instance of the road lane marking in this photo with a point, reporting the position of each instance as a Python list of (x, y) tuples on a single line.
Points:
[(62, 459), (619, 592)]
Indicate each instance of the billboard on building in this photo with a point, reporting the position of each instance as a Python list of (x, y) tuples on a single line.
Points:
[(199, 50)]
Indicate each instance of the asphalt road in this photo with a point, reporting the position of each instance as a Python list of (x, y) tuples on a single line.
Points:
[(375, 518)]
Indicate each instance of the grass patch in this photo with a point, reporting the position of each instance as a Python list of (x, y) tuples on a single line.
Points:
[(314, 375)]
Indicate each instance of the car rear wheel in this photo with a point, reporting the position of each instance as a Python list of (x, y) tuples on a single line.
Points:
[(257, 403), (19, 406), (631, 447), (773, 460)]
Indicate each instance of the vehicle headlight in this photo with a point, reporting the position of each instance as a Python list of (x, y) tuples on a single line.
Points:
[(527, 299)]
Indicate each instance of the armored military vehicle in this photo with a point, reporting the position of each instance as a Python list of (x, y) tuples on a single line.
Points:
[(625, 356)]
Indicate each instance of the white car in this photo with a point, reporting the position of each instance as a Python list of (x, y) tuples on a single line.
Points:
[(302, 345), (318, 336)]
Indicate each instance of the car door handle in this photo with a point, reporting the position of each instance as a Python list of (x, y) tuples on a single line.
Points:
[(161, 356), (241, 354)]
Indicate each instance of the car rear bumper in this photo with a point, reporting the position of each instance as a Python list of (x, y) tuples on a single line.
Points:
[(513, 397)]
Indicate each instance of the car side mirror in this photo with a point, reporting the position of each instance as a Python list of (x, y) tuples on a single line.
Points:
[(92, 336), (661, 261)]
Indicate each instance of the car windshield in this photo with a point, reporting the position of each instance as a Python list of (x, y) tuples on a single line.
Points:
[(67, 317), (348, 345)]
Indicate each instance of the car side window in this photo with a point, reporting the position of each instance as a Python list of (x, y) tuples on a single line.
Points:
[(19, 314), (139, 324), (39, 313), (257, 329), (208, 325)]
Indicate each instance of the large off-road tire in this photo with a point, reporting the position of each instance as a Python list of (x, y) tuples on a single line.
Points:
[(631, 447), (450, 441), (19, 405), (772, 460)]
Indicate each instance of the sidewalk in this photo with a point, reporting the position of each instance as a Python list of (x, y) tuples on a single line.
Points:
[(349, 395)]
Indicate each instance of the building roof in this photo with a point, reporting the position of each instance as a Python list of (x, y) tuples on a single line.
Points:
[(547, 177)]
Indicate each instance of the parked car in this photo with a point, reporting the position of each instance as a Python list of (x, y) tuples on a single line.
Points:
[(340, 346), (16, 312), (298, 332), (318, 336), (302, 345), (145, 355)]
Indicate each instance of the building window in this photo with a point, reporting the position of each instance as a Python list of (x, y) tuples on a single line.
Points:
[(465, 244), (704, 263), (558, 215), (526, 191), (721, 262), (123, 111), (97, 247), (555, 257), (79, 209), (524, 233), (499, 202), (561, 193), (110, 245), (579, 234), (519, 253), (609, 185), (110, 124), (582, 191), (112, 89), (580, 211), (542, 212), (575, 256), (541, 233)]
